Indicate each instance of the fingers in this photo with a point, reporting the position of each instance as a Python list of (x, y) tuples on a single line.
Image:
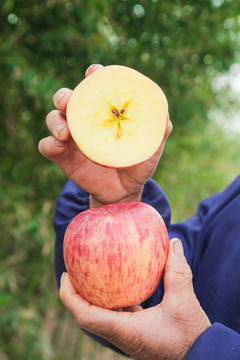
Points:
[(50, 147), (54, 145), (56, 121), (133, 308), (89, 317), (179, 300), (60, 99), (160, 149), (168, 129), (57, 125), (69, 295), (93, 68), (178, 274)]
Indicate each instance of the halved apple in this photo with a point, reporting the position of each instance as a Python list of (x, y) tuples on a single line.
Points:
[(117, 116)]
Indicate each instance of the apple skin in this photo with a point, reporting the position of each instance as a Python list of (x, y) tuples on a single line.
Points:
[(115, 254)]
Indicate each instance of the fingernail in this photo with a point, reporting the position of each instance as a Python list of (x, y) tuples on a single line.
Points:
[(62, 277), (57, 97), (178, 248), (90, 69), (59, 143), (94, 65), (59, 128)]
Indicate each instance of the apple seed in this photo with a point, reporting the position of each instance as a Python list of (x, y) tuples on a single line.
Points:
[(115, 112)]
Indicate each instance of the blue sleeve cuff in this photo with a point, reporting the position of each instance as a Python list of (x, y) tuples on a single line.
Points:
[(217, 343)]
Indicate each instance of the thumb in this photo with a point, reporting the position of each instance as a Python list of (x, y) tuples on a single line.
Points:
[(177, 273)]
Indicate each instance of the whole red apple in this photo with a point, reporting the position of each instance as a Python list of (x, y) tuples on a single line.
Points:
[(115, 254)]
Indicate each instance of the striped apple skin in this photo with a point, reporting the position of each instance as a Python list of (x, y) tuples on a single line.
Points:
[(115, 254)]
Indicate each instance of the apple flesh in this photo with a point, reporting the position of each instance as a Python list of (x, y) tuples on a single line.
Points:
[(117, 116), (115, 254)]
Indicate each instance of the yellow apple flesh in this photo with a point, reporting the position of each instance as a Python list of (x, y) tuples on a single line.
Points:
[(117, 116)]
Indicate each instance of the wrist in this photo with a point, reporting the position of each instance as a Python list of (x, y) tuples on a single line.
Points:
[(95, 202), (202, 323)]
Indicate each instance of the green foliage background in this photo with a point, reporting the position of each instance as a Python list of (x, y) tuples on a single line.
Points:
[(183, 45)]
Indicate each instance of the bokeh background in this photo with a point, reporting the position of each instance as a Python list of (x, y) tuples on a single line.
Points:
[(190, 48)]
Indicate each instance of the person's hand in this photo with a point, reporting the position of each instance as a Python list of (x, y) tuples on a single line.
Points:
[(163, 332), (103, 184)]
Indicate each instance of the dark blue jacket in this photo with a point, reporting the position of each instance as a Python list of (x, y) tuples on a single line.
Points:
[(211, 241)]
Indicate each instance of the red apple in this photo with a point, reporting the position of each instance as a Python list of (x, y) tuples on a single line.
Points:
[(115, 254)]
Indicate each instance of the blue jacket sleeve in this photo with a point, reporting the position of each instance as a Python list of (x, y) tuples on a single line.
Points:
[(217, 343)]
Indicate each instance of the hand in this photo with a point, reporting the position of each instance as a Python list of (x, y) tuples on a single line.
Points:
[(103, 184), (166, 331)]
